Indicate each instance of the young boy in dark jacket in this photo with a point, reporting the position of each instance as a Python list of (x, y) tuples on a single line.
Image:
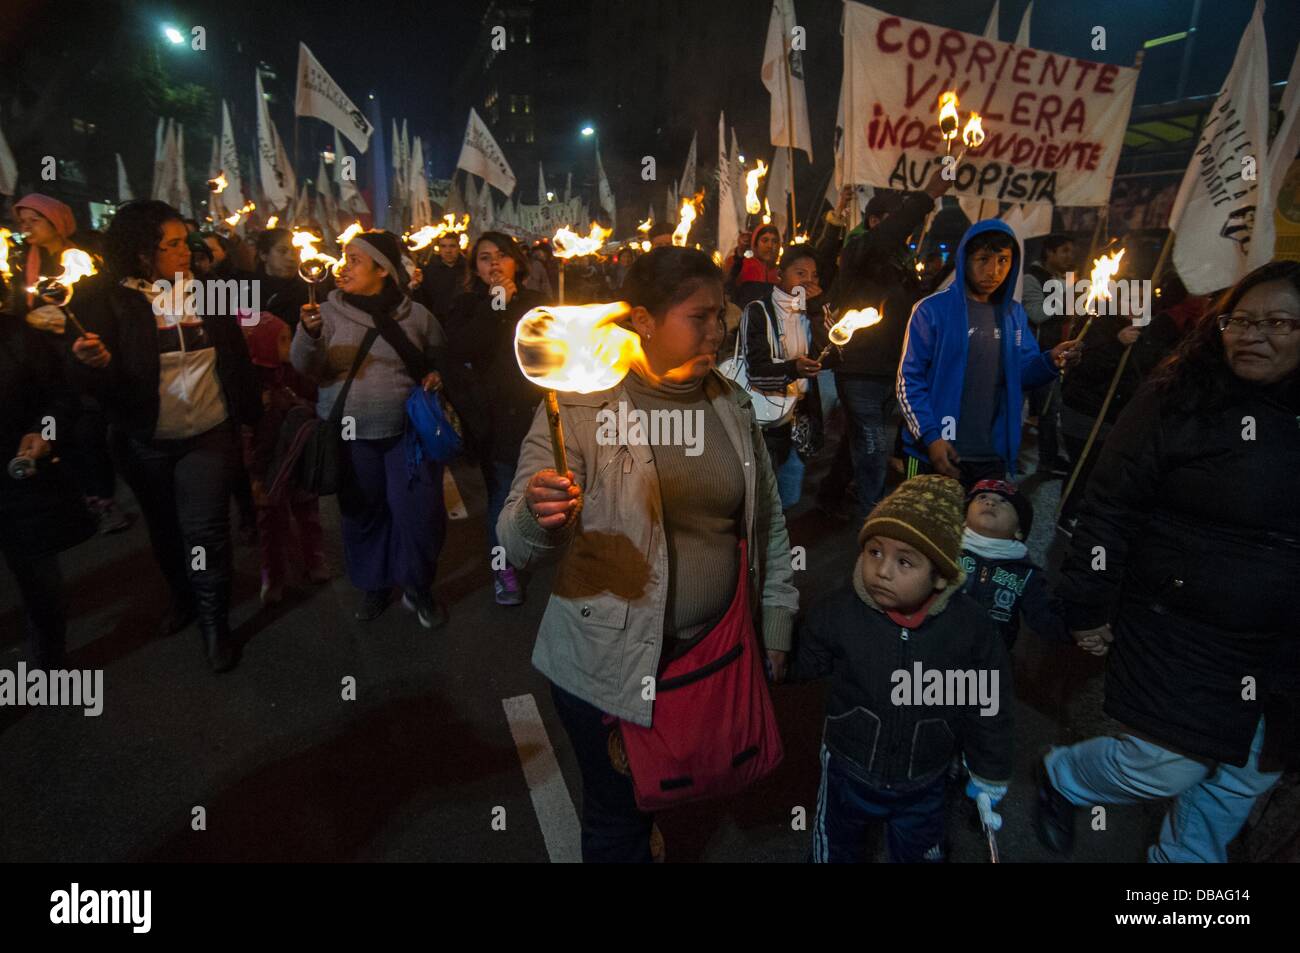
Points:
[(918, 672), (1000, 576)]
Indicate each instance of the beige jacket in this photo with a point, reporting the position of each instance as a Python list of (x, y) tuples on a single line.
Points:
[(602, 633)]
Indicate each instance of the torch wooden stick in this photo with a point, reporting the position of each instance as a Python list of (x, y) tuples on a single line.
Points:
[(1096, 428), (562, 261), (557, 433)]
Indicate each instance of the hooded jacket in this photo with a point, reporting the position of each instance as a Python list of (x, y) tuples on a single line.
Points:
[(873, 723), (933, 368)]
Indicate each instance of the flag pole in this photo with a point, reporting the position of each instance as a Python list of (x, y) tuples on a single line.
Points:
[(789, 141)]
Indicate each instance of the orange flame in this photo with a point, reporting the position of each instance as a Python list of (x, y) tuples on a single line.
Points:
[(578, 348), (567, 243), (767, 212), (1104, 270), (273, 221), (644, 226), (218, 185), (973, 134), (851, 322), (800, 239), (428, 234), (233, 219), (751, 188), (5, 235), (948, 117), (686, 217), (76, 264), (312, 263), (349, 233)]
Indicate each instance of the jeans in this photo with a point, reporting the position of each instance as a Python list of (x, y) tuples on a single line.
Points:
[(867, 402), (614, 829), (1211, 804), (845, 806), (787, 465), (497, 477)]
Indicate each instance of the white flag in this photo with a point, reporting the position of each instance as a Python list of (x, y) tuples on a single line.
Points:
[(350, 197), (778, 189), (728, 226), (1287, 140), (322, 98), (421, 208), (541, 185), (329, 209), (234, 194), (687, 184), (605, 193), (181, 189), (123, 186), (161, 136), (481, 155), (783, 76), (737, 180), (991, 28), (1223, 220), (274, 171), (9, 168), (1022, 38)]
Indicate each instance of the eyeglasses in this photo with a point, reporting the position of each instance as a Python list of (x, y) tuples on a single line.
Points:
[(1274, 326)]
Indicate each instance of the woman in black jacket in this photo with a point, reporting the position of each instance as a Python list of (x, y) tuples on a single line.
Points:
[(1184, 564), (496, 402), (176, 385)]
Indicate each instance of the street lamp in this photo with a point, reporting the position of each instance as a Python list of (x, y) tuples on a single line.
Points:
[(588, 131), (174, 35)]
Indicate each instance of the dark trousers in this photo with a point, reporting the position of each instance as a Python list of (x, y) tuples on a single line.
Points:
[(497, 477), (614, 830), (89, 454), (1045, 403), (394, 522), (971, 471), (183, 488), (845, 806), (40, 582), (867, 403)]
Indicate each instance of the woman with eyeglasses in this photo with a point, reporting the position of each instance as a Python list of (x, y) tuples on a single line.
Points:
[(496, 401), (176, 385), (1183, 566)]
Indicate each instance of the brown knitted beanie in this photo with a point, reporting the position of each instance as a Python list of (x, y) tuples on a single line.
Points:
[(926, 512)]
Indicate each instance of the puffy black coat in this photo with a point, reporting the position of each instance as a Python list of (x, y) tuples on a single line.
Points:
[(903, 746), (1084, 387), (1188, 541)]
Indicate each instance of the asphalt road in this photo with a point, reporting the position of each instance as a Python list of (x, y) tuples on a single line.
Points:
[(424, 764)]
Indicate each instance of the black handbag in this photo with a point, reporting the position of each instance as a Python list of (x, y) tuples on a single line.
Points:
[(320, 468)]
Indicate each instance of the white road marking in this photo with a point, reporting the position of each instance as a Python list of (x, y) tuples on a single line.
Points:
[(551, 801)]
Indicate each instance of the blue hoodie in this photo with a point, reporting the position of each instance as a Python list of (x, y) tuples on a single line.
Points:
[(933, 368)]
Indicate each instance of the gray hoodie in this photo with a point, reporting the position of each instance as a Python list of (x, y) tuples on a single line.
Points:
[(377, 399)]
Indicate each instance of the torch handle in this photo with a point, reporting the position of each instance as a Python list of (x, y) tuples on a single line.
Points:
[(557, 433), (825, 351), (81, 328)]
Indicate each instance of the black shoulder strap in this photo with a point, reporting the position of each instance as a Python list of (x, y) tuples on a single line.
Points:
[(417, 365), (336, 412)]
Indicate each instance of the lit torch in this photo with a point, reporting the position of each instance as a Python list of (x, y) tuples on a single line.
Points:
[(948, 119), (844, 329), (5, 235), (273, 221), (578, 348), (767, 212), (76, 264), (313, 265), (973, 134), (752, 205), (644, 226), (566, 244), (218, 185), (1104, 270)]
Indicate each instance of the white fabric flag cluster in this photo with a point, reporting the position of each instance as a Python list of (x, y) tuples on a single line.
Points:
[(783, 76), (159, 158), (778, 189), (320, 97), (481, 155), (274, 171), (728, 224), (1287, 139), (325, 193), (421, 207), (1223, 214), (8, 167)]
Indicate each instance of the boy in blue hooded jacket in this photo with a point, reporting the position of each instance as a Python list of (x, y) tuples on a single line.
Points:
[(968, 358)]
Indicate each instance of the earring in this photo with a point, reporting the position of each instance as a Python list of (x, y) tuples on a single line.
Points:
[(647, 335)]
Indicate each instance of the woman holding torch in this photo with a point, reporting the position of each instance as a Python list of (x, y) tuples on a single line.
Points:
[(647, 539), (496, 401), (392, 508), (176, 385)]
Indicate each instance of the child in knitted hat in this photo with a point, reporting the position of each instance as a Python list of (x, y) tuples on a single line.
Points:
[(918, 673), (1000, 575)]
